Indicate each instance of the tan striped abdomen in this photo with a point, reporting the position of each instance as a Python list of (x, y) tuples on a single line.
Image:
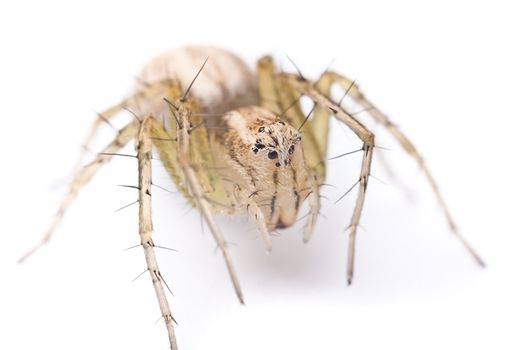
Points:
[(224, 84)]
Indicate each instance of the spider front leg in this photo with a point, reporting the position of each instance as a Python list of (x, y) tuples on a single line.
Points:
[(144, 151), (352, 90), (175, 155), (187, 168), (322, 101)]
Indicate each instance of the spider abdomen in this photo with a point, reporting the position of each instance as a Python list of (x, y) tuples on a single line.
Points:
[(226, 83)]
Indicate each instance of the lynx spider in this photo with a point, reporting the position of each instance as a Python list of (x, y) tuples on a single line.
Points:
[(272, 154)]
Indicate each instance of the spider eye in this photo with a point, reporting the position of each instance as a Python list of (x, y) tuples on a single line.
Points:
[(272, 155), (291, 149), (261, 129)]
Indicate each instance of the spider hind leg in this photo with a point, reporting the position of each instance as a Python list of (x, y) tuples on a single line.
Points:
[(353, 91)]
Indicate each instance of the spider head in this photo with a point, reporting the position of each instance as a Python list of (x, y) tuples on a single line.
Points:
[(275, 141), (261, 140), (267, 157)]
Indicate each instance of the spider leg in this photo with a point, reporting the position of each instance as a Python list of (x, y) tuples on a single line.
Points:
[(146, 93), (268, 95), (144, 152), (314, 200), (360, 98), (249, 196), (255, 213), (177, 152), (307, 88), (83, 176)]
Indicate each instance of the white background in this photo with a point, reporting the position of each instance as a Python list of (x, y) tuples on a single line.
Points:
[(450, 75)]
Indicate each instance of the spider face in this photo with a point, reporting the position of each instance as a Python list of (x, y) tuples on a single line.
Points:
[(275, 142), (266, 158)]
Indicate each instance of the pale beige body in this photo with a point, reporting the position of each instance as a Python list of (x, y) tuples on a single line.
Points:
[(237, 142), (278, 186), (234, 178)]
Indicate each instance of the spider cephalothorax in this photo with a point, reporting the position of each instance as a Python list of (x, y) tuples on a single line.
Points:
[(265, 134), (267, 162)]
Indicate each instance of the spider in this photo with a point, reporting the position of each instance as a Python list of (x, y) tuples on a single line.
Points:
[(237, 143)]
